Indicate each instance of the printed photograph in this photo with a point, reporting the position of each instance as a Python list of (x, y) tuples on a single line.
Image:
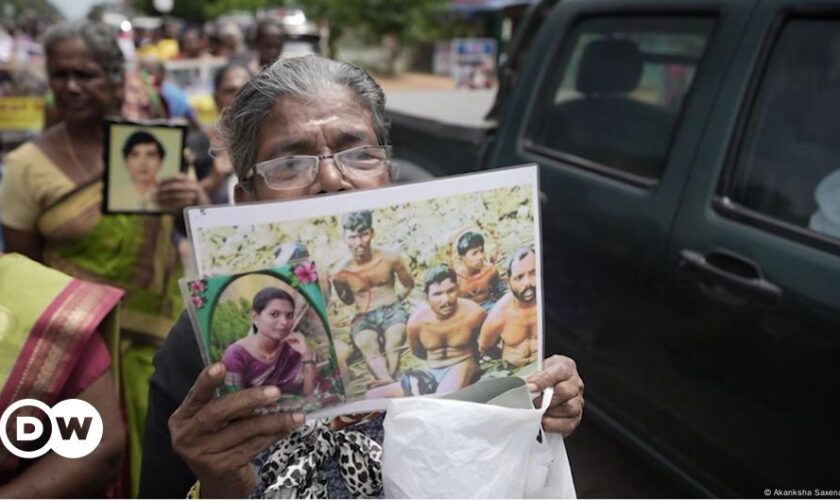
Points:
[(473, 63), (137, 156), (269, 328), (422, 296)]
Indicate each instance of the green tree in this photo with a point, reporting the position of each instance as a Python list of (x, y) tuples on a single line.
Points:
[(203, 10), (190, 10), (35, 9), (216, 8), (231, 321), (391, 22)]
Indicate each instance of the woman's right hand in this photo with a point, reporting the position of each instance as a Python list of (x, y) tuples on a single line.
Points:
[(177, 192), (218, 438)]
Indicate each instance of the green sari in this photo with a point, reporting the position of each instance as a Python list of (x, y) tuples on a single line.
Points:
[(136, 254)]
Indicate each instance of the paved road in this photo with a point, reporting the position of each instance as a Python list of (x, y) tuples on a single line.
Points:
[(436, 98), (603, 467), (465, 108)]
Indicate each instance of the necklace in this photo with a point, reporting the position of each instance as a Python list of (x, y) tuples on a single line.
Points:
[(77, 165)]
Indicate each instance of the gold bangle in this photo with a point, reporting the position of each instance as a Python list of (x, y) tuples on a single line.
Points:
[(195, 491)]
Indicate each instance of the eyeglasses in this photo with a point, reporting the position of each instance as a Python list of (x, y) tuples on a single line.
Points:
[(298, 171)]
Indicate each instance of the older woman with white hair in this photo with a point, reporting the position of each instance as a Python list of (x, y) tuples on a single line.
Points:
[(327, 119)]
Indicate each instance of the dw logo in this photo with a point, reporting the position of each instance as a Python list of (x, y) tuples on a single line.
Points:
[(75, 428)]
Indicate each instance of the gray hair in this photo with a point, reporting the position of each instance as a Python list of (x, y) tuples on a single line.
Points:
[(100, 38), (302, 78)]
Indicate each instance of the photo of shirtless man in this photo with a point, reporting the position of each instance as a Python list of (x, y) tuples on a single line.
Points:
[(443, 332), (514, 317), (367, 280), (478, 279)]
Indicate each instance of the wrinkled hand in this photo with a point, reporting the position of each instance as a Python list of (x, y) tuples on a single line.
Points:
[(218, 438), (179, 192), (566, 408)]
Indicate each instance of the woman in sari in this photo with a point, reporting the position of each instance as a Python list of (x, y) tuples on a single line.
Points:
[(273, 355), (51, 206), (53, 335)]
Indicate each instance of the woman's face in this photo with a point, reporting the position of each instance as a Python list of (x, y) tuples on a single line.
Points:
[(276, 320), (80, 85), (229, 85), (333, 123), (143, 164)]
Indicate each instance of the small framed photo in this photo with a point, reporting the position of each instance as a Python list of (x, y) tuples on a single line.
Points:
[(269, 328), (137, 156)]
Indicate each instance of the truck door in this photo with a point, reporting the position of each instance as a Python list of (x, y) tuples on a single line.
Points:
[(611, 105), (745, 366)]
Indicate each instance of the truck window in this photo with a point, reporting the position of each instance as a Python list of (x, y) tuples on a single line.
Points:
[(615, 97), (787, 166)]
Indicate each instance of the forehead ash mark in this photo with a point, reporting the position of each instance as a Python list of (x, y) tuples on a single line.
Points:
[(317, 122)]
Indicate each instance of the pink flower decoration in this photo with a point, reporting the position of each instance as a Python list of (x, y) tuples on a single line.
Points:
[(306, 273), (197, 287), (197, 301)]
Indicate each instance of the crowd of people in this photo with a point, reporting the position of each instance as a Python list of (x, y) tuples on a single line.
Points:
[(164, 414)]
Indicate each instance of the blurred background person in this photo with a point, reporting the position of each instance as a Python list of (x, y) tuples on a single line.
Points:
[(141, 99), (160, 42), (230, 43), (191, 44), (177, 105), (51, 205), (167, 46), (212, 164), (268, 43), (214, 41)]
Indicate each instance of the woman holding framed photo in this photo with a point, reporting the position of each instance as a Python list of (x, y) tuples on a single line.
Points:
[(52, 196)]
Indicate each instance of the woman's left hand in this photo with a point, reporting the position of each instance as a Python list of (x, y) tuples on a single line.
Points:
[(179, 192), (566, 408)]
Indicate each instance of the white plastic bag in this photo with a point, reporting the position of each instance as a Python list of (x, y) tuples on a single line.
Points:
[(445, 448)]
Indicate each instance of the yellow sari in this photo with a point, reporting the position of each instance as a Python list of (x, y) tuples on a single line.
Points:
[(132, 252), (46, 320)]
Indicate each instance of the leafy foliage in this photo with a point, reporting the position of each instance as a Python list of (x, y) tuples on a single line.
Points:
[(392, 22), (203, 10), (378, 17), (231, 319), (43, 9)]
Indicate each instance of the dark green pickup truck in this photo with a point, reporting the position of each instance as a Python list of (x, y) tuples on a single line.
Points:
[(689, 154)]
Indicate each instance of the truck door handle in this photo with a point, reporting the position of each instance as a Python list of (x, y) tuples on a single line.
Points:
[(733, 271)]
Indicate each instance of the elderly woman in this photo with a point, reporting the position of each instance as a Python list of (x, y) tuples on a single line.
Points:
[(303, 106), (52, 194)]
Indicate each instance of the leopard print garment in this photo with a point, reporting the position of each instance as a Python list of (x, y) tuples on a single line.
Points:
[(297, 467)]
